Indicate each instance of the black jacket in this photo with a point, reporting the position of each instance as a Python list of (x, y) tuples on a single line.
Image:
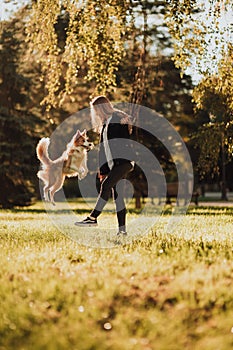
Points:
[(119, 149)]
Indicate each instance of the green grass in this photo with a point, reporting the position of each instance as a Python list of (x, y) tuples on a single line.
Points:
[(163, 291)]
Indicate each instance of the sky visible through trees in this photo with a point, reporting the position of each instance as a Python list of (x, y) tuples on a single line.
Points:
[(224, 30), (8, 7)]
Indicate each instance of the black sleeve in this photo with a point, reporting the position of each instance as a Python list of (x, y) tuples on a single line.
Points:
[(103, 165)]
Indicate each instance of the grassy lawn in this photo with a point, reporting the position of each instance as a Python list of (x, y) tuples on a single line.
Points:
[(163, 291)]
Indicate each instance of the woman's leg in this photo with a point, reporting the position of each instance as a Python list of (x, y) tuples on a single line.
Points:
[(120, 207), (117, 173)]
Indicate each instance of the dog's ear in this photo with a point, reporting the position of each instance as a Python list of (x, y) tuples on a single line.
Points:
[(77, 133), (84, 133)]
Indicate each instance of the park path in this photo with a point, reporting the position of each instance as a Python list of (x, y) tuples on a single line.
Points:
[(216, 202)]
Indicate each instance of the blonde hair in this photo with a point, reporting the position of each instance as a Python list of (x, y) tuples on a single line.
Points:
[(102, 109)]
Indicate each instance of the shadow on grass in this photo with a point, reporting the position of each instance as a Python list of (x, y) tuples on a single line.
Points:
[(41, 211), (200, 210)]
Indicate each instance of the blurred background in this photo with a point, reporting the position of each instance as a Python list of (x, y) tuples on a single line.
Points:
[(56, 55)]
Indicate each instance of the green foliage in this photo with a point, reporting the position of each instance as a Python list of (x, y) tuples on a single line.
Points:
[(208, 140), (214, 92), (200, 31), (16, 157), (103, 40), (93, 35), (202, 34), (171, 95), (19, 120), (214, 95), (41, 31), (63, 39)]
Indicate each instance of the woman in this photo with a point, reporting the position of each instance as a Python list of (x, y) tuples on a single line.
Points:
[(115, 158)]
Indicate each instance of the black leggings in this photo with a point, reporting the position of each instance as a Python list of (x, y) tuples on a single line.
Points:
[(108, 187)]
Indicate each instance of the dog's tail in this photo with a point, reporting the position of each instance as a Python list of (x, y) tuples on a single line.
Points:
[(42, 151)]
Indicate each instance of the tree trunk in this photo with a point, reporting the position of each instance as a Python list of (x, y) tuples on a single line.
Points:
[(224, 186), (139, 87), (138, 204)]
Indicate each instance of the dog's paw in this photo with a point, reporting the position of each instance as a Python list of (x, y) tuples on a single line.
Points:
[(82, 173), (81, 176)]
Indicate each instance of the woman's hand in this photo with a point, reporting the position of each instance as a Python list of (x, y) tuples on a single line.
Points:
[(102, 177)]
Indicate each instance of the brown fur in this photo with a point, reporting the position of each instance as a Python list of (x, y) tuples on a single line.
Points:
[(73, 162)]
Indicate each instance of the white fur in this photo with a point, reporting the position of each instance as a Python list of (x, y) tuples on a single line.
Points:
[(73, 162)]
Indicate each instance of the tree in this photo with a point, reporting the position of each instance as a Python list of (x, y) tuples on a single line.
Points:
[(201, 33), (204, 40), (74, 53), (67, 35), (93, 35), (213, 94), (18, 120)]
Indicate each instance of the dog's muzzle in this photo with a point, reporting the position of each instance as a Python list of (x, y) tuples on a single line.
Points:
[(89, 146)]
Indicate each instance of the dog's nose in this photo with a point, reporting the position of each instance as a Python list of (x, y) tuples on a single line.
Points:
[(90, 146)]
